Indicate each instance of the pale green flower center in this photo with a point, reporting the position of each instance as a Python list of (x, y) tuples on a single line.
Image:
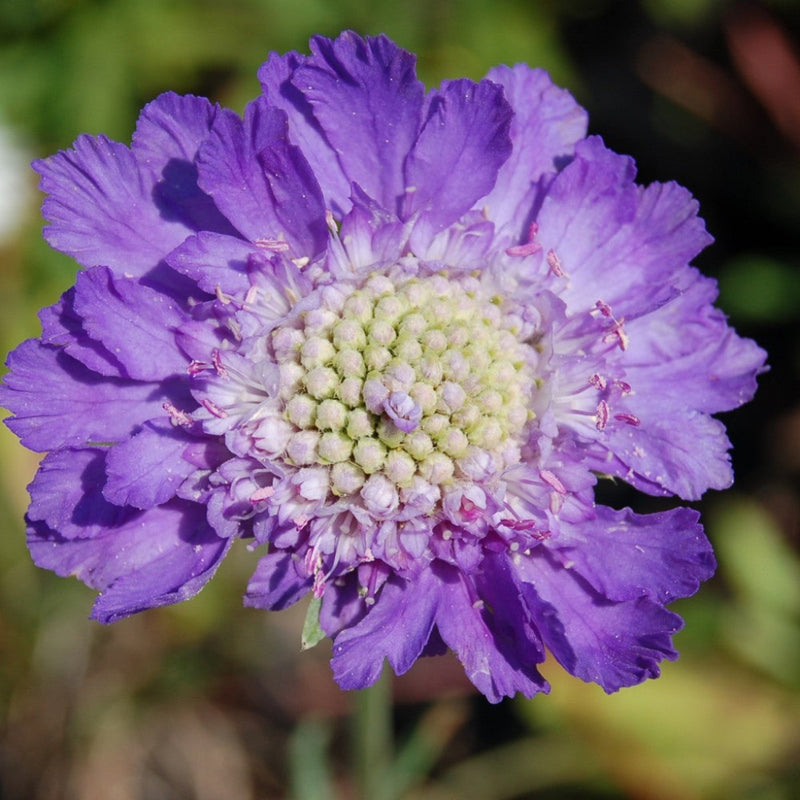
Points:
[(424, 380)]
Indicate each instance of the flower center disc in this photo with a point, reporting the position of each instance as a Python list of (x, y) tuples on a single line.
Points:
[(405, 388)]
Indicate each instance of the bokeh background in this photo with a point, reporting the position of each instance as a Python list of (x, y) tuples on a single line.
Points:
[(210, 700)]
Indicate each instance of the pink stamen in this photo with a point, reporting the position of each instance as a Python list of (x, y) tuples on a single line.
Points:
[(264, 493), (554, 262), (214, 409), (196, 367), (631, 419), (602, 415), (216, 360), (552, 480), (273, 245), (530, 247), (177, 417)]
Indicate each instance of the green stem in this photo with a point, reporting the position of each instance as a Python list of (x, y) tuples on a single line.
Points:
[(372, 738)]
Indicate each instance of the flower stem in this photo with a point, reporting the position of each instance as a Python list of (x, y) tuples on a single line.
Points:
[(373, 739)]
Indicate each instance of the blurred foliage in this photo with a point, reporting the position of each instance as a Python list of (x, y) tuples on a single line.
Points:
[(208, 700)]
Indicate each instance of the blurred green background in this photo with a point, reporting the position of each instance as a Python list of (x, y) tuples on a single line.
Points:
[(209, 700)]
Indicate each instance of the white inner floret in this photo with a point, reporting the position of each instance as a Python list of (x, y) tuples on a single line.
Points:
[(400, 388)]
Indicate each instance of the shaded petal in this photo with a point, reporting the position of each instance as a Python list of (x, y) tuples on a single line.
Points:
[(304, 130), (168, 134), (62, 326), (279, 581), (614, 644), (66, 495), (261, 182), (685, 352), (155, 557), (100, 208), (366, 98), (494, 647), (624, 555), (133, 322), (671, 451), (397, 627), (618, 242), (547, 124), (215, 260), (147, 469), (462, 145), (76, 407)]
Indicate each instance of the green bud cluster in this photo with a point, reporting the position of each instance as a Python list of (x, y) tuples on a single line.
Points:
[(445, 342)]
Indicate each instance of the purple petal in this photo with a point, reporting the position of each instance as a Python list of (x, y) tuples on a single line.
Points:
[(366, 98), (618, 242), (62, 326), (147, 469), (276, 79), (462, 145), (397, 627), (497, 647), (672, 450), (279, 581), (168, 134), (261, 182), (101, 210), (614, 644), (155, 557), (135, 323), (547, 124), (214, 260), (66, 495), (71, 406), (624, 555), (403, 411), (687, 355)]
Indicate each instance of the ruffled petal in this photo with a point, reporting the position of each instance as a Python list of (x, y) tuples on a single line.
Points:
[(624, 555), (66, 495), (62, 326), (304, 130), (547, 124), (153, 558), (134, 322), (397, 627), (496, 644), (619, 243), (100, 208), (168, 135), (614, 644), (214, 260), (463, 143), (78, 408), (147, 469), (261, 182), (685, 353), (279, 581), (365, 96)]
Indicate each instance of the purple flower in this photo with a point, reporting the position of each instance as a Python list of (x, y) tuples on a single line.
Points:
[(394, 337)]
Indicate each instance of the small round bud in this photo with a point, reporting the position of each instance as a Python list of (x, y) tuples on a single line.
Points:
[(346, 478), (331, 415), (316, 352), (399, 467), (359, 424), (369, 454), (300, 410), (334, 447), (437, 468), (349, 392), (302, 447), (321, 382)]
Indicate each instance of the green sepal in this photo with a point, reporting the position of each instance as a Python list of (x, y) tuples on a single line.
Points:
[(312, 632)]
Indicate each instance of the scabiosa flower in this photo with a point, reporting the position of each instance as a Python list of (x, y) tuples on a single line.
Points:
[(393, 338)]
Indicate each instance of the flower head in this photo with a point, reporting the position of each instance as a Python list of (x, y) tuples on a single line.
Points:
[(393, 337)]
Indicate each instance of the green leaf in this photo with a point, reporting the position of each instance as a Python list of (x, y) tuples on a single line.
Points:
[(312, 632)]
